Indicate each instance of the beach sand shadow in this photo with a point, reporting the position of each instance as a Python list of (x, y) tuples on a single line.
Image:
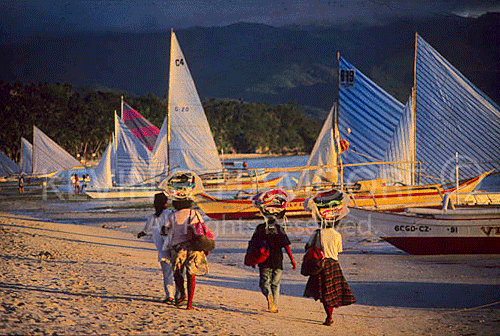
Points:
[(418, 294)]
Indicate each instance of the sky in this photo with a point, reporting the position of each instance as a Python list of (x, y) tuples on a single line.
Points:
[(21, 18)]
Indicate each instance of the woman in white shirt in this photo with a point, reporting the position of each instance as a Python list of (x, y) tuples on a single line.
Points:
[(329, 286), (152, 227)]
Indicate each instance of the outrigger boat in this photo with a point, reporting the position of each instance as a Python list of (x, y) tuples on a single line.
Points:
[(399, 186), (463, 230), (392, 198), (470, 123), (133, 164)]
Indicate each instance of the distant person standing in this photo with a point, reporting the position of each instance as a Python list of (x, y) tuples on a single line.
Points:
[(85, 180), (272, 205), (21, 184), (77, 184), (153, 227), (329, 286), (73, 182)]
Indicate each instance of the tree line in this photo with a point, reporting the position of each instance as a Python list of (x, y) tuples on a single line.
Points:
[(82, 122)]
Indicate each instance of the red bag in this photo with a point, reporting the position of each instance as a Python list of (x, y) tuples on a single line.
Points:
[(257, 253), (314, 259), (203, 237)]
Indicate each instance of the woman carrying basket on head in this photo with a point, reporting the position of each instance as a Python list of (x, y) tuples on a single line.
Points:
[(329, 285), (180, 187), (272, 205)]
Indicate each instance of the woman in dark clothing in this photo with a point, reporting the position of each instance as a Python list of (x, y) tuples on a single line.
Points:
[(272, 205), (329, 286)]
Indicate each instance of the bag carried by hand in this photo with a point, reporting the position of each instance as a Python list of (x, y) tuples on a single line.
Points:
[(203, 237), (257, 252), (314, 259)]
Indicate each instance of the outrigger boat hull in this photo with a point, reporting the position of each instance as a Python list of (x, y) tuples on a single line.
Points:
[(388, 198), (474, 230)]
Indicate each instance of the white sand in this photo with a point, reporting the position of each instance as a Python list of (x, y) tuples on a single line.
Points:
[(64, 279)]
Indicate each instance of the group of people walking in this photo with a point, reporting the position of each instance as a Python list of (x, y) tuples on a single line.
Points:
[(172, 233), (79, 183)]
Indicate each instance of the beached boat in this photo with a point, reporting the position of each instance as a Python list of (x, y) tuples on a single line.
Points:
[(468, 122), (392, 198), (45, 157), (321, 170), (465, 230)]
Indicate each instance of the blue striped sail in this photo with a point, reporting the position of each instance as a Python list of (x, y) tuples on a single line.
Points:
[(368, 117), (452, 116)]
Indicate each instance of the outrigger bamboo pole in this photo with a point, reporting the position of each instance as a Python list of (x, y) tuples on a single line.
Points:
[(298, 169)]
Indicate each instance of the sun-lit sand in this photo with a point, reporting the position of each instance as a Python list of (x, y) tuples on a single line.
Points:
[(98, 278)]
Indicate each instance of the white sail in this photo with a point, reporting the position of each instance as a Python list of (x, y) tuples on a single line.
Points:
[(48, 156), (322, 154), (103, 176), (26, 156), (190, 141), (7, 166)]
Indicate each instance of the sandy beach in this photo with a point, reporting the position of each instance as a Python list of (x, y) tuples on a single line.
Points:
[(84, 272)]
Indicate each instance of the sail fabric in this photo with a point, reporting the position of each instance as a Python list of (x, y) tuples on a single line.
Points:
[(368, 117), (48, 156), (452, 116), (26, 156), (102, 175), (7, 166), (142, 128), (322, 154), (160, 151), (401, 149), (134, 162), (191, 145)]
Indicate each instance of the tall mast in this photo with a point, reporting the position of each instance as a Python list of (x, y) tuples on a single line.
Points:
[(121, 107), (414, 112), (169, 96), (335, 120), (33, 153)]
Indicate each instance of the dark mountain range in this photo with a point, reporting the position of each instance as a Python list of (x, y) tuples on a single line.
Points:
[(259, 63)]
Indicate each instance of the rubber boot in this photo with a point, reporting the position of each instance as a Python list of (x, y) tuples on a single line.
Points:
[(191, 286), (271, 305)]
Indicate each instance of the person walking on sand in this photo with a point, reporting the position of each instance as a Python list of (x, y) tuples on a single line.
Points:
[(153, 227), (272, 205), (180, 187), (329, 286)]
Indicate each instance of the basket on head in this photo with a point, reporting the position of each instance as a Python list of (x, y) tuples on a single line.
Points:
[(330, 205), (181, 185), (272, 202)]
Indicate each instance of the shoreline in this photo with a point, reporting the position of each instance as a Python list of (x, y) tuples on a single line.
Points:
[(97, 278)]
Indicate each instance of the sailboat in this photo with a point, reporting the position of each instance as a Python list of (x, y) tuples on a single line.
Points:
[(446, 118), (26, 156), (126, 166), (7, 166), (47, 157), (372, 115), (184, 142), (142, 128)]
